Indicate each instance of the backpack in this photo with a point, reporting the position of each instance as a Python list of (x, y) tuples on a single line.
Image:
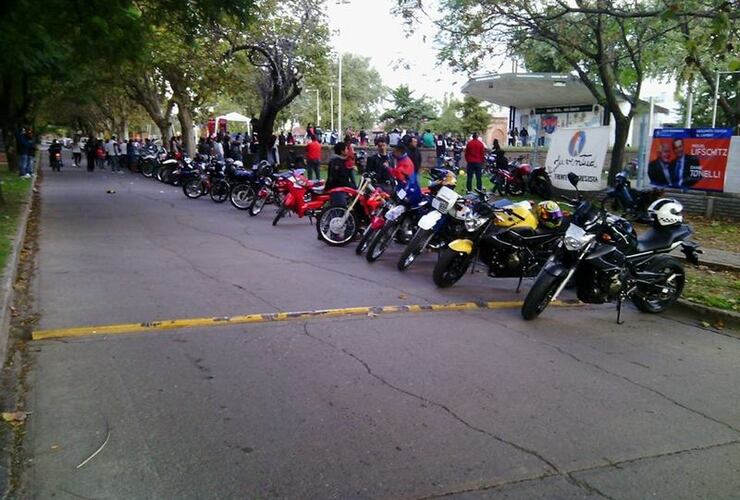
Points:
[(100, 153)]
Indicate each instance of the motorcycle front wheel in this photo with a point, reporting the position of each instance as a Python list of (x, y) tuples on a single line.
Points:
[(380, 242), (280, 214), (367, 235), (450, 267), (540, 295), (242, 197), (418, 243), (659, 296), (147, 169), (257, 205), (193, 189), (332, 230)]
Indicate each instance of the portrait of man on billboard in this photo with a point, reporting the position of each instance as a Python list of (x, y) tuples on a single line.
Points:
[(673, 167)]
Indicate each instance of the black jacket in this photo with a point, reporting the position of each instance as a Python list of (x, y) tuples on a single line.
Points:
[(375, 165), (415, 156), (339, 175)]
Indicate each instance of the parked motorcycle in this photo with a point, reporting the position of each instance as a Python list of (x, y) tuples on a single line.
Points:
[(632, 203), (302, 196), (246, 183), (446, 222), (638, 269), (268, 192), (508, 240), (517, 178), (339, 222)]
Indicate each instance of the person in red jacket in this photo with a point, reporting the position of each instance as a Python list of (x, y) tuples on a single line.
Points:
[(313, 157), (404, 168), (475, 152)]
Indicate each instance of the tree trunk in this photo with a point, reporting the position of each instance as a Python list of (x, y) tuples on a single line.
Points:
[(165, 132), (264, 128), (185, 117), (621, 133)]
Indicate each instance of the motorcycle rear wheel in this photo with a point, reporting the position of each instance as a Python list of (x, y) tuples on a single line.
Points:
[(450, 267), (418, 243), (540, 295), (147, 169), (380, 242), (670, 268)]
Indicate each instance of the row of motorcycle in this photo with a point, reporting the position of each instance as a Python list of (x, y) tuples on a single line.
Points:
[(584, 247)]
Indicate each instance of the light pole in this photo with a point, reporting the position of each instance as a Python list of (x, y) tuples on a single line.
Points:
[(339, 82), (331, 104), (716, 92)]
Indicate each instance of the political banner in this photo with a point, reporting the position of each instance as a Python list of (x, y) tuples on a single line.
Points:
[(689, 158), (578, 150)]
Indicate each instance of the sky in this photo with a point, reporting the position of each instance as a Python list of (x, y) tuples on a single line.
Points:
[(368, 28)]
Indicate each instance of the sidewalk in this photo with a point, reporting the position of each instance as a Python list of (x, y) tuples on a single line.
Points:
[(712, 256)]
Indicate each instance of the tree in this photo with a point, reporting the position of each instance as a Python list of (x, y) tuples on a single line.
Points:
[(475, 116), (362, 94), (283, 47), (449, 119), (703, 102), (611, 46), (408, 112)]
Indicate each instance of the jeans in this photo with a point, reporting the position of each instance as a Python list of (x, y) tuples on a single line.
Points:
[(440, 161), (474, 168), (313, 167), (24, 164), (114, 163), (77, 157)]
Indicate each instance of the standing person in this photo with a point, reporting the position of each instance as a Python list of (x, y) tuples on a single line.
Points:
[(350, 157), (394, 137), (412, 146), (513, 134), (218, 148), (235, 148), (363, 137), (441, 147), (524, 136), (427, 139), (310, 129), (313, 158), (338, 174), (115, 151), (474, 156), (282, 140), (203, 147), (100, 154), (23, 153), (109, 151), (290, 140), (90, 153), (76, 151), (272, 152), (31, 159), (380, 163)]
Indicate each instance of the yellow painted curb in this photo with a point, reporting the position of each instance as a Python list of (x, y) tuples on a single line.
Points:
[(124, 328)]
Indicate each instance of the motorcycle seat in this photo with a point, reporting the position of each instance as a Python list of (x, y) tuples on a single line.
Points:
[(318, 187), (657, 239)]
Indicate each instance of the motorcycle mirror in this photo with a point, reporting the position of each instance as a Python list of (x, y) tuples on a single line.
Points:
[(573, 179)]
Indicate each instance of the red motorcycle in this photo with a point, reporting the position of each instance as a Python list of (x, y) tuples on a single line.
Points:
[(300, 195), (518, 178), (338, 224)]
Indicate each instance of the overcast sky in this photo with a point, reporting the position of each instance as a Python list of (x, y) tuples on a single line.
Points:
[(367, 28)]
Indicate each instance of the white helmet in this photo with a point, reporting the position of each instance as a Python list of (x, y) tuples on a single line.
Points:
[(666, 212)]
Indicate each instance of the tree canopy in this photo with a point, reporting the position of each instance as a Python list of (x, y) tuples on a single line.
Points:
[(407, 111)]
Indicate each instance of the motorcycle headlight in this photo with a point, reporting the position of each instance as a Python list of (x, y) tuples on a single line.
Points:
[(576, 238)]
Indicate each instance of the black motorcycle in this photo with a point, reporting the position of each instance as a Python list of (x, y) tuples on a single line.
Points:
[(507, 252), (632, 203), (605, 270), (246, 183)]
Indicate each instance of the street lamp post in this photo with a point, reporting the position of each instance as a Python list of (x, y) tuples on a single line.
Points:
[(331, 104), (318, 116), (339, 80)]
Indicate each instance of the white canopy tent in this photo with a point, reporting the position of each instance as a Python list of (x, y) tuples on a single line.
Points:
[(237, 117)]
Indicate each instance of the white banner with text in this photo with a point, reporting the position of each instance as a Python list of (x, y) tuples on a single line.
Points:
[(579, 150)]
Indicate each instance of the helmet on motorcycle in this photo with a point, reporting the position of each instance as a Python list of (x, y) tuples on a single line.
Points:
[(622, 178), (549, 214), (666, 212), (442, 177)]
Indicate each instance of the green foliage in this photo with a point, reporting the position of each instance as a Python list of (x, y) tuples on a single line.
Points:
[(704, 99), (475, 116), (362, 93), (407, 111)]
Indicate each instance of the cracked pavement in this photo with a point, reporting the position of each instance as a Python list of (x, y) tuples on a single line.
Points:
[(472, 404)]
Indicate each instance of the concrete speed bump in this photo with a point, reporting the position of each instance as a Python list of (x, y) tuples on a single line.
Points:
[(174, 324)]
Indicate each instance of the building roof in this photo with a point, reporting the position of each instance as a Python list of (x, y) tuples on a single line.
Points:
[(532, 90)]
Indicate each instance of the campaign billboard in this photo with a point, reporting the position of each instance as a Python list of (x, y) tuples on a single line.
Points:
[(579, 150), (689, 158)]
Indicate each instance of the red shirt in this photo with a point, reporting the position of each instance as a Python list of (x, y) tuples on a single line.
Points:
[(350, 161), (313, 151), (475, 151), (404, 169)]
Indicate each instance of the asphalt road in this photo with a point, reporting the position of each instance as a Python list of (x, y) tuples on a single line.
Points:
[(471, 405)]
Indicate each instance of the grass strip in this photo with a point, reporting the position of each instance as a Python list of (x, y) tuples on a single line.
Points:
[(14, 190)]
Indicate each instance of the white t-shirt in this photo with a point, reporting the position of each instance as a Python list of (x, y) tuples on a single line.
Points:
[(109, 148)]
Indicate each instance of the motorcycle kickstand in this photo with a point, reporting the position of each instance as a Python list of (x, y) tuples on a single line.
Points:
[(619, 311), (519, 285)]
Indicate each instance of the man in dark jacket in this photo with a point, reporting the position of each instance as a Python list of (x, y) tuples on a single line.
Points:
[(338, 174), (412, 147), (379, 163)]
